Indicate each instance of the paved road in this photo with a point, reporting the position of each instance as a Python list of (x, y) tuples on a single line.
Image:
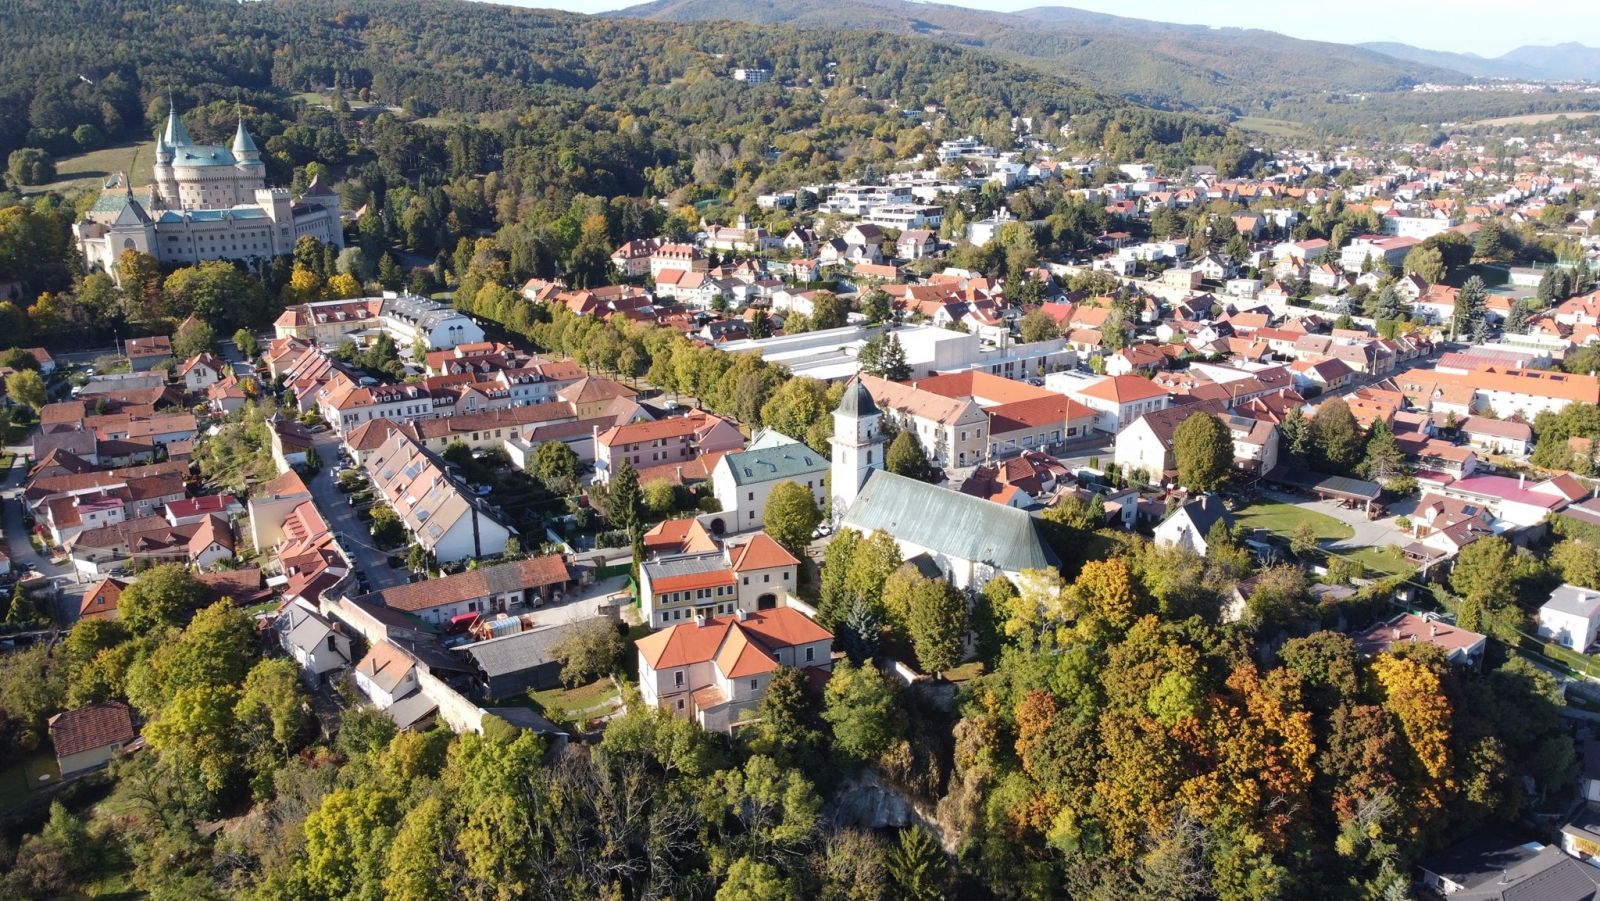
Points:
[(355, 536), (23, 555)]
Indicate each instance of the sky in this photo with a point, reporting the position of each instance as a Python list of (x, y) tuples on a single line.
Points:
[(1484, 27)]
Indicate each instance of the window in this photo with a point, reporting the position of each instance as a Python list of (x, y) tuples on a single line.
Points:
[(677, 678), (750, 496), (766, 577), (331, 645), (755, 684), (811, 654), (680, 703)]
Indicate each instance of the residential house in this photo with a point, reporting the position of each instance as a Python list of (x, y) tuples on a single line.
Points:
[(743, 480), (445, 520), (1191, 522), (1462, 647), (663, 441), (1571, 617), (486, 591), (755, 574), (1492, 866), (201, 372), (88, 738), (1117, 400), (715, 671), (147, 353), (291, 442), (318, 645), (916, 243)]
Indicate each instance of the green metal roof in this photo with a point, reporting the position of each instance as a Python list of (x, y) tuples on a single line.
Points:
[(949, 523), (786, 461)]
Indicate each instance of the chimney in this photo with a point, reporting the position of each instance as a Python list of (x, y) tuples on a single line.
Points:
[(701, 620), (1395, 633), (1433, 630), (743, 614)]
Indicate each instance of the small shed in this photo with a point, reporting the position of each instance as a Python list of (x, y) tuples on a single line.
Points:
[(512, 664)]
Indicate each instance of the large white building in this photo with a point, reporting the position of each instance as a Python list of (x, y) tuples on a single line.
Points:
[(206, 202)]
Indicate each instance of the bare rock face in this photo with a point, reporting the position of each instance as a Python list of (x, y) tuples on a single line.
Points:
[(866, 803)]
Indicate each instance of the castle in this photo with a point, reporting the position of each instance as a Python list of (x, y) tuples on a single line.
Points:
[(205, 203)]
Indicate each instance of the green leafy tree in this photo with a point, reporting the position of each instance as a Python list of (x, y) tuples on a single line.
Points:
[(1336, 437), (791, 516), (1203, 450), (660, 497), (907, 458), (1426, 262), (26, 387), (876, 305), (387, 530), (787, 718), (556, 465), (164, 595), (828, 311), (1037, 326), (754, 880), (859, 703), (30, 166), (245, 341), (590, 651), (938, 626), (1384, 460), (1485, 574)]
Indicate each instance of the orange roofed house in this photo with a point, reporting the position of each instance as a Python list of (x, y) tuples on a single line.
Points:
[(716, 671), (663, 441), (757, 574)]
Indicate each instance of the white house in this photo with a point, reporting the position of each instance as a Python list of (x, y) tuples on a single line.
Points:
[(1571, 617), (386, 674), (715, 671), (316, 644), (1188, 525), (743, 480)]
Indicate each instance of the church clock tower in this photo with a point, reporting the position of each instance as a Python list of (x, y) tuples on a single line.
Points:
[(857, 445)]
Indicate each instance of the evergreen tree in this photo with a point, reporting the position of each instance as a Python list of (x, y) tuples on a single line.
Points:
[(1469, 308), (893, 363), (1388, 304), (1383, 460), (390, 275)]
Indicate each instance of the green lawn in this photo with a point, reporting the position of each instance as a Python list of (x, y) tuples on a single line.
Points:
[(966, 672), (90, 170), (572, 706), (1380, 561), (21, 779), (1283, 519)]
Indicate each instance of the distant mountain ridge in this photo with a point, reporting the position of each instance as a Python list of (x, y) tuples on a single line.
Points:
[(1236, 71), (1569, 61)]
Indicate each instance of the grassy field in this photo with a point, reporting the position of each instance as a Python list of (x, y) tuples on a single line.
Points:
[(1282, 128), (1534, 118), (88, 171), (1283, 519)]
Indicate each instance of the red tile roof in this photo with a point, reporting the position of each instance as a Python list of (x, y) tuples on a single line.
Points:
[(88, 728)]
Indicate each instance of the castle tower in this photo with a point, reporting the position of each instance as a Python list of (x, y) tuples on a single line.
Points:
[(244, 146), (857, 445)]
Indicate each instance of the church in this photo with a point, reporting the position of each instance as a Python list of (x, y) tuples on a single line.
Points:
[(205, 202), (970, 540)]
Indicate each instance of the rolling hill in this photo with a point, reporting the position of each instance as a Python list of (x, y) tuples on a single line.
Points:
[(1232, 71), (1570, 61)]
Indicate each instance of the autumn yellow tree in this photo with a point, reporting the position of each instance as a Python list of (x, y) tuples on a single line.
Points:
[(340, 287)]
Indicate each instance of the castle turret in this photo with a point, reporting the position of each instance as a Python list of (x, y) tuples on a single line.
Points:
[(244, 147), (175, 135)]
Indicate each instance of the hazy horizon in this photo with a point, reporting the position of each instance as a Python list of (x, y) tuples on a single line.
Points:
[(1488, 28)]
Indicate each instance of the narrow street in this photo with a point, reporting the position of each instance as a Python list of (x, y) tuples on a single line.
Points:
[(354, 535), (23, 556)]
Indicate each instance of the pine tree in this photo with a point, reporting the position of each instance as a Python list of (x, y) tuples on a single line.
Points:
[(894, 365), (1469, 308), (1388, 305), (1383, 459), (390, 275)]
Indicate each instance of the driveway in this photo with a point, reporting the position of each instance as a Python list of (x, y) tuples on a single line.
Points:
[(1368, 532), (354, 535), (70, 586)]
